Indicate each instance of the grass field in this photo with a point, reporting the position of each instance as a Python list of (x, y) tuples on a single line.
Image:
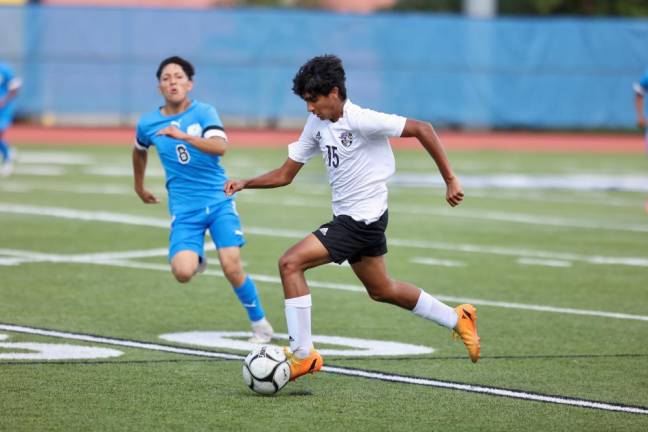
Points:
[(554, 258)]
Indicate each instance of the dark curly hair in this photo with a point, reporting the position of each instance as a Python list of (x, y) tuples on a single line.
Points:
[(184, 64), (319, 75)]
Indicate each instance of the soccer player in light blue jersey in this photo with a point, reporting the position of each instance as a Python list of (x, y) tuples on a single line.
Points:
[(9, 87), (641, 108), (190, 141)]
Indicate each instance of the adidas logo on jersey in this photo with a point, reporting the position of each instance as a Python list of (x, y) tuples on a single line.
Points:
[(323, 230)]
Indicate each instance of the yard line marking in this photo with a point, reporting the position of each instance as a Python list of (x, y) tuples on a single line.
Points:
[(544, 262), (102, 216), (54, 158), (599, 199), (118, 342), (436, 262), (401, 379), (467, 214), (121, 170), (318, 284), (542, 308), (576, 182), (478, 190), (493, 391), (38, 170), (90, 189)]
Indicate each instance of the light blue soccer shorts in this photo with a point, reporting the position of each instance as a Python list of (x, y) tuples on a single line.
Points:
[(188, 229)]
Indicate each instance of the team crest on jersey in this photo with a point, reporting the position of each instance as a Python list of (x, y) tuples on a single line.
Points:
[(194, 129), (346, 138), (318, 136)]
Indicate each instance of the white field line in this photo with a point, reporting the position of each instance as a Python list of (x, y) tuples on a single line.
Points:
[(594, 198), (481, 215), (436, 262), (122, 170), (102, 216), (494, 391), (508, 187), (118, 342), (471, 388), (35, 257), (577, 182), (80, 189), (40, 170), (544, 262), (400, 208), (54, 158)]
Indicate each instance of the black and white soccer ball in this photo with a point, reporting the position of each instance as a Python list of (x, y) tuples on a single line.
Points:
[(266, 370)]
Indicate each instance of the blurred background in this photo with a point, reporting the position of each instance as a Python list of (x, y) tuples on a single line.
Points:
[(465, 64)]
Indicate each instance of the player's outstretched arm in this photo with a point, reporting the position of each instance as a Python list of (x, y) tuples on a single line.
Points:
[(281, 176), (140, 158), (428, 138)]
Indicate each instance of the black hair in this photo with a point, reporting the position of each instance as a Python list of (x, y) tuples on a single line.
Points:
[(319, 75), (184, 64)]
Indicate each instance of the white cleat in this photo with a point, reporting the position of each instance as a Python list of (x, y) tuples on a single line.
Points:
[(261, 332)]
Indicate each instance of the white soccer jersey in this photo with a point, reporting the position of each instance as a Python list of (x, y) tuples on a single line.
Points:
[(357, 156)]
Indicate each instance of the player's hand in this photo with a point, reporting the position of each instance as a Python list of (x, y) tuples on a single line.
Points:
[(233, 186), (147, 196), (173, 132), (454, 192), (642, 123)]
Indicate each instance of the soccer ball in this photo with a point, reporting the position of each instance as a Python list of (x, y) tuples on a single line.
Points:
[(266, 370)]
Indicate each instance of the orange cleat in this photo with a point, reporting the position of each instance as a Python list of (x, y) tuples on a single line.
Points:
[(298, 367), (466, 329)]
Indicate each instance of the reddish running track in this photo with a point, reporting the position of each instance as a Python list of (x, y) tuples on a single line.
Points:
[(520, 141)]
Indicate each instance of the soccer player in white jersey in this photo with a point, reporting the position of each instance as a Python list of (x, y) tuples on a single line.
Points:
[(353, 142), (190, 141)]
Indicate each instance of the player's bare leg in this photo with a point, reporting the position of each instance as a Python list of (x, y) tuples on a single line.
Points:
[(306, 254), (184, 265), (245, 290), (372, 272), (230, 260)]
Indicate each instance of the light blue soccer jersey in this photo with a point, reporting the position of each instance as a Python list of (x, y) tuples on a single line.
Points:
[(194, 179)]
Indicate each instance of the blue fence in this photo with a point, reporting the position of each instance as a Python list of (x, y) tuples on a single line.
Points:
[(559, 73)]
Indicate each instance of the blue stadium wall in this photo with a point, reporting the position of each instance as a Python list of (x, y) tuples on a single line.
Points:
[(451, 70)]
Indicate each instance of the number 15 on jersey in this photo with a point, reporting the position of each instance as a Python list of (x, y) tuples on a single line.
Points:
[(333, 158)]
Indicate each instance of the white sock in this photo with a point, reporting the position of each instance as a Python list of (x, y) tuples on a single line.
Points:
[(298, 318), (432, 309)]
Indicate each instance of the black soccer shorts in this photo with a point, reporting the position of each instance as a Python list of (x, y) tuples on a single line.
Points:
[(347, 239)]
